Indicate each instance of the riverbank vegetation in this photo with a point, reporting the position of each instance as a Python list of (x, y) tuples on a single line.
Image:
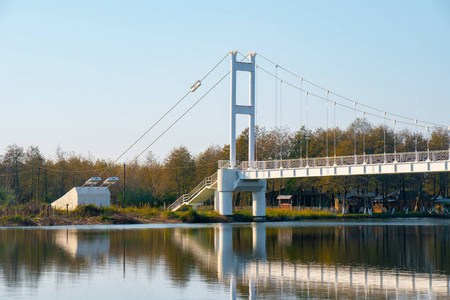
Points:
[(41, 214), (27, 176)]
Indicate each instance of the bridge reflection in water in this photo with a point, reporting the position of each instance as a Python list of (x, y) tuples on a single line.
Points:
[(247, 261), (263, 276)]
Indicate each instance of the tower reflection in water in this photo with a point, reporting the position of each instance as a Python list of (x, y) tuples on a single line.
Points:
[(279, 275), (253, 261)]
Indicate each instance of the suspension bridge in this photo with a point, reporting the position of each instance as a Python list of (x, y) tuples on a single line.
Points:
[(251, 175)]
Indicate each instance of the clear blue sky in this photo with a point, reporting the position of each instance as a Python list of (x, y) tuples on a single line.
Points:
[(91, 76)]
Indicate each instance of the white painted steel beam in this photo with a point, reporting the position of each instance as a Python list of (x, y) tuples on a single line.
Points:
[(246, 67), (244, 110)]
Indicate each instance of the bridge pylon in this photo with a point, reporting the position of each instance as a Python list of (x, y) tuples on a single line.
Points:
[(229, 179)]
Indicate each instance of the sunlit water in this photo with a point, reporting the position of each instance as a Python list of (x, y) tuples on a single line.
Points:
[(394, 259)]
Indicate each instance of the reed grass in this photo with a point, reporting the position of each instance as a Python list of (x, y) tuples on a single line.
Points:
[(277, 214)]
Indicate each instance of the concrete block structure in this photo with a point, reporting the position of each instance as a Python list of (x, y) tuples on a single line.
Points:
[(99, 196)]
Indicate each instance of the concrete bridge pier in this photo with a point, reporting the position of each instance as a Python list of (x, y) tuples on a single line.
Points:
[(228, 181), (259, 204), (226, 203), (216, 199), (225, 185)]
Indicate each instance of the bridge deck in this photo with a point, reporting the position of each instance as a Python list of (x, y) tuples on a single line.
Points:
[(415, 162), (374, 164)]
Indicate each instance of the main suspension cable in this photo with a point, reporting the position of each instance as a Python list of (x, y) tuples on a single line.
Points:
[(348, 99), (325, 99), (191, 90), (179, 118)]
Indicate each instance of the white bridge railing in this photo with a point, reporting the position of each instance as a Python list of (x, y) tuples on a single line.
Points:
[(388, 158), (185, 198)]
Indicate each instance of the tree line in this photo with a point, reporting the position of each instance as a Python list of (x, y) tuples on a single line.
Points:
[(26, 175)]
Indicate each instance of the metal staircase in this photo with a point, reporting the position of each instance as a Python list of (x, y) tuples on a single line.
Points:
[(199, 195)]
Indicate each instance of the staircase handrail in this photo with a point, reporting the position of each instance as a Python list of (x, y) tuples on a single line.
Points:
[(177, 202), (185, 198), (205, 182)]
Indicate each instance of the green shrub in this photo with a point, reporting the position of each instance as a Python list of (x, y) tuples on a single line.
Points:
[(18, 220), (191, 216), (88, 211)]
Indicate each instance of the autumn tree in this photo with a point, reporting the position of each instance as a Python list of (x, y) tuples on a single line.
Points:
[(180, 167), (13, 160)]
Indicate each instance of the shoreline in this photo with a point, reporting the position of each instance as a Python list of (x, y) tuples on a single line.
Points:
[(92, 215)]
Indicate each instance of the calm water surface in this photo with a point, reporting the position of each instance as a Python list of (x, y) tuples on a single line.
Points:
[(395, 259)]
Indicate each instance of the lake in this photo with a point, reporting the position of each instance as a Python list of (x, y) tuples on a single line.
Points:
[(370, 259)]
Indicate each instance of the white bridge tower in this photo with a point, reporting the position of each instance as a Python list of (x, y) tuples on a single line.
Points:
[(229, 179)]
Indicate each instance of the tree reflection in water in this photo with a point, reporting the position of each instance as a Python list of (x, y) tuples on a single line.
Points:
[(307, 260)]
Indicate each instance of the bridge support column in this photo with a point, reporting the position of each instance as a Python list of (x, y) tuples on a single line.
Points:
[(226, 183), (226, 203), (259, 205), (216, 200)]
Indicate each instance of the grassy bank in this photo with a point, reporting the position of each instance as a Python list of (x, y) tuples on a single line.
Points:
[(41, 215), (35, 214)]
